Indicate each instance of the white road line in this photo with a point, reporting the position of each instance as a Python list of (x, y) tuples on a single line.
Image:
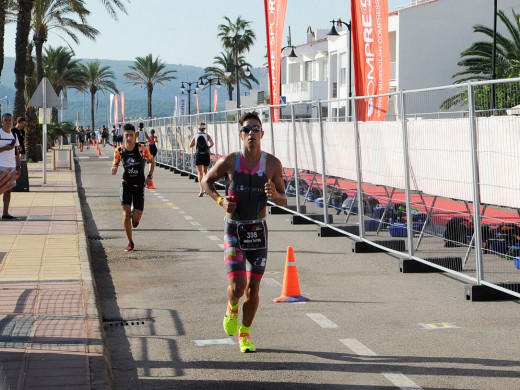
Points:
[(401, 381), (271, 282), (203, 230), (221, 246), (195, 223), (358, 348), (84, 157), (214, 238), (322, 321), (165, 200), (188, 217), (156, 193), (104, 157)]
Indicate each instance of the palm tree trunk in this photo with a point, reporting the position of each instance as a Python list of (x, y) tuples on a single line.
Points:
[(92, 102), (23, 27), (38, 48), (31, 134), (54, 115), (150, 91), (2, 34), (230, 91)]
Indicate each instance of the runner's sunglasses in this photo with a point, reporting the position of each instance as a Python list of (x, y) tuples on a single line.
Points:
[(247, 129)]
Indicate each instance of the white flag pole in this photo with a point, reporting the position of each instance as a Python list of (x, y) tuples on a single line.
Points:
[(44, 146)]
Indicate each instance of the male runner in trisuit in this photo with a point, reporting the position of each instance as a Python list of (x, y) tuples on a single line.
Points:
[(133, 157), (254, 177)]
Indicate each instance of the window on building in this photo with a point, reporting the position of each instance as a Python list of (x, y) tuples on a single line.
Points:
[(322, 76), (343, 69), (294, 72), (308, 71)]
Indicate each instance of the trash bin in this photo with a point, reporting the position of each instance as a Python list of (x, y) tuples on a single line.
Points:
[(62, 157)]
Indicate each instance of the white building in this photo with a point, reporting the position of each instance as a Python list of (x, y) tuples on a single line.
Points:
[(426, 39)]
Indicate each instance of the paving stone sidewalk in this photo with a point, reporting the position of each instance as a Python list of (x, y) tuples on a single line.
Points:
[(50, 333)]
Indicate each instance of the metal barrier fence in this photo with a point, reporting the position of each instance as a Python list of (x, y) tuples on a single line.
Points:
[(438, 182)]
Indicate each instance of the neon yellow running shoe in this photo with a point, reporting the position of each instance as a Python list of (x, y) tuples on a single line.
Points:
[(245, 343), (230, 322)]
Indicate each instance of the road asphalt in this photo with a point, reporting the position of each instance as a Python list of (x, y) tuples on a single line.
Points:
[(158, 319)]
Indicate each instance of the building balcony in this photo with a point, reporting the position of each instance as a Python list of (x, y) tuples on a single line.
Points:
[(304, 91)]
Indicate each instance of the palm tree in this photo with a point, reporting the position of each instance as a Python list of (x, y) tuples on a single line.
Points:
[(57, 16), (477, 60), (32, 135), (238, 38), (97, 78), (23, 27), (147, 72), (110, 6), (224, 64), (62, 71)]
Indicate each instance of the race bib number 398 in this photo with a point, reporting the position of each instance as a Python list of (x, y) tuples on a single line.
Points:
[(251, 236)]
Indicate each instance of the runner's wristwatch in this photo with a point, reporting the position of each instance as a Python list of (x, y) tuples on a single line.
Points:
[(150, 176)]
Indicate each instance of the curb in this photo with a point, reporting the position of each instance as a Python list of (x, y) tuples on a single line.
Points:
[(100, 374)]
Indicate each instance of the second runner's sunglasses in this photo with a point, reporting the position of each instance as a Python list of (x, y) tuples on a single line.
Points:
[(247, 129)]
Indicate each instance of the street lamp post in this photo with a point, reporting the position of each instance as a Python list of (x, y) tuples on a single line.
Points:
[(333, 35), (207, 84), (186, 87)]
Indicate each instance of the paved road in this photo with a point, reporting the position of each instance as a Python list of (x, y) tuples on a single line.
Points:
[(367, 326)]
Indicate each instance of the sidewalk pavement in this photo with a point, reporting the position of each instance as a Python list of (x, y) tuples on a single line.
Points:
[(50, 333)]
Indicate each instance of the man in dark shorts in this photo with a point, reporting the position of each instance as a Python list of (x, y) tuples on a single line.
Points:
[(114, 136), (88, 137), (254, 176), (19, 131), (133, 157), (203, 143), (119, 135)]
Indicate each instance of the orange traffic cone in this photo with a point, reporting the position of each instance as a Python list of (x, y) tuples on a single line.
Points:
[(291, 286), (152, 186), (98, 151)]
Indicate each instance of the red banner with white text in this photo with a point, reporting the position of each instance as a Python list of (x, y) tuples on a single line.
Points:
[(274, 22), (371, 52), (116, 110), (122, 106)]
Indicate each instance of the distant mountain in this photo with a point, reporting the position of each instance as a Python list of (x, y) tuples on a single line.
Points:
[(135, 97)]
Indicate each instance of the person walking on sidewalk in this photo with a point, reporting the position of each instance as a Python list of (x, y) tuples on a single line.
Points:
[(9, 157), (133, 157), (203, 142), (254, 177)]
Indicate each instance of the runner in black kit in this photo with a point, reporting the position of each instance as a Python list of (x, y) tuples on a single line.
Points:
[(254, 177), (133, 158)]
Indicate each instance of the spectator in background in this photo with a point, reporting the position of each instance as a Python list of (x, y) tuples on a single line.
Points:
[(19, 131), (7, 180), (9, 158)]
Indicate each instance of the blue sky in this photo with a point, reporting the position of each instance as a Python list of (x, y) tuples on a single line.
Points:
[(185, 32)]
